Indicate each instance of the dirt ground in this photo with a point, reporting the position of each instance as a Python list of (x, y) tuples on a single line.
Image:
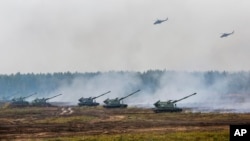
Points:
[(47, 122)]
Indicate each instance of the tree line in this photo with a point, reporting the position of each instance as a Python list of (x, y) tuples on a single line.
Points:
[(24, 84)]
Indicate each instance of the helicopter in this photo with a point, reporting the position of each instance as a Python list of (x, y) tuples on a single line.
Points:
[(160, 21), (226, 34)]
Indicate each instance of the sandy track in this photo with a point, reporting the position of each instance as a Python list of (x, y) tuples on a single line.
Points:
[(66, 111)]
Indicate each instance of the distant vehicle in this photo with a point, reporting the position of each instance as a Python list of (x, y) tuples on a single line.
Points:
[(116, 103), (168, 106), (90, 101), (42, 102), (226, 34), (20, 101), (160, 21)]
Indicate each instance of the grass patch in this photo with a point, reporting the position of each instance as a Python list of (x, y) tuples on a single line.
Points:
[(78, 119), (173, 136), (21, 111), (191, 116)]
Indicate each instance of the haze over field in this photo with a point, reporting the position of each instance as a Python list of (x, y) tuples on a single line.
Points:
[(43, 36), (215, 90), (92, 35)]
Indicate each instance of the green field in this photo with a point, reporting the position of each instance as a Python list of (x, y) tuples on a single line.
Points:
[(99, 124)]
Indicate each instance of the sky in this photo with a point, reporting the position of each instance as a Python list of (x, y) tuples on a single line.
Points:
[(101, 35)]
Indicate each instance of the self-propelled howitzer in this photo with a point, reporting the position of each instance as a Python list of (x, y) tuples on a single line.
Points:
[(43, 101), (90, 101), (168, 106), (116, 103), (20, 101)]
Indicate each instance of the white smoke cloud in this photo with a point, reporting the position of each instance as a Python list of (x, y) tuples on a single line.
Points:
[(211, 96), (120, 84)]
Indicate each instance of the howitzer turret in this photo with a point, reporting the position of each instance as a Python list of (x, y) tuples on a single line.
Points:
[(116, 103), (20, 102), (90, 101), (43, 101), (169, 106)]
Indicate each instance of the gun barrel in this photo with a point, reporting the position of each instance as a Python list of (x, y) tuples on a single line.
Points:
[(29, 95), (53, 97), (129, 95), (184, 98), (101, 95)]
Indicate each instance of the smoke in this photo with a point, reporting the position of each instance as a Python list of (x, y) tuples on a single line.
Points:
[(120, 84), (80, 35), (61, 35), (214, 92)]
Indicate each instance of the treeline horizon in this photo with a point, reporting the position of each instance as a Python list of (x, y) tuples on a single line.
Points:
[(23, 84)]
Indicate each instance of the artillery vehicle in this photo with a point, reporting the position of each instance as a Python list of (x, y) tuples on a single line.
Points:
[(20, 101), (168, 106), (90, 101), (117, 102), (42, 102)]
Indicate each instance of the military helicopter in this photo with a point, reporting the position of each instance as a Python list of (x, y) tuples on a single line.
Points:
[(160, 21), (226, 34)]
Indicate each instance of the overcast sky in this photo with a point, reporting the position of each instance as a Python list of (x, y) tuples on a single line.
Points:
[(102, 35)]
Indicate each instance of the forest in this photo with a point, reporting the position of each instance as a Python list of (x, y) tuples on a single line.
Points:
[(24, 84)]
